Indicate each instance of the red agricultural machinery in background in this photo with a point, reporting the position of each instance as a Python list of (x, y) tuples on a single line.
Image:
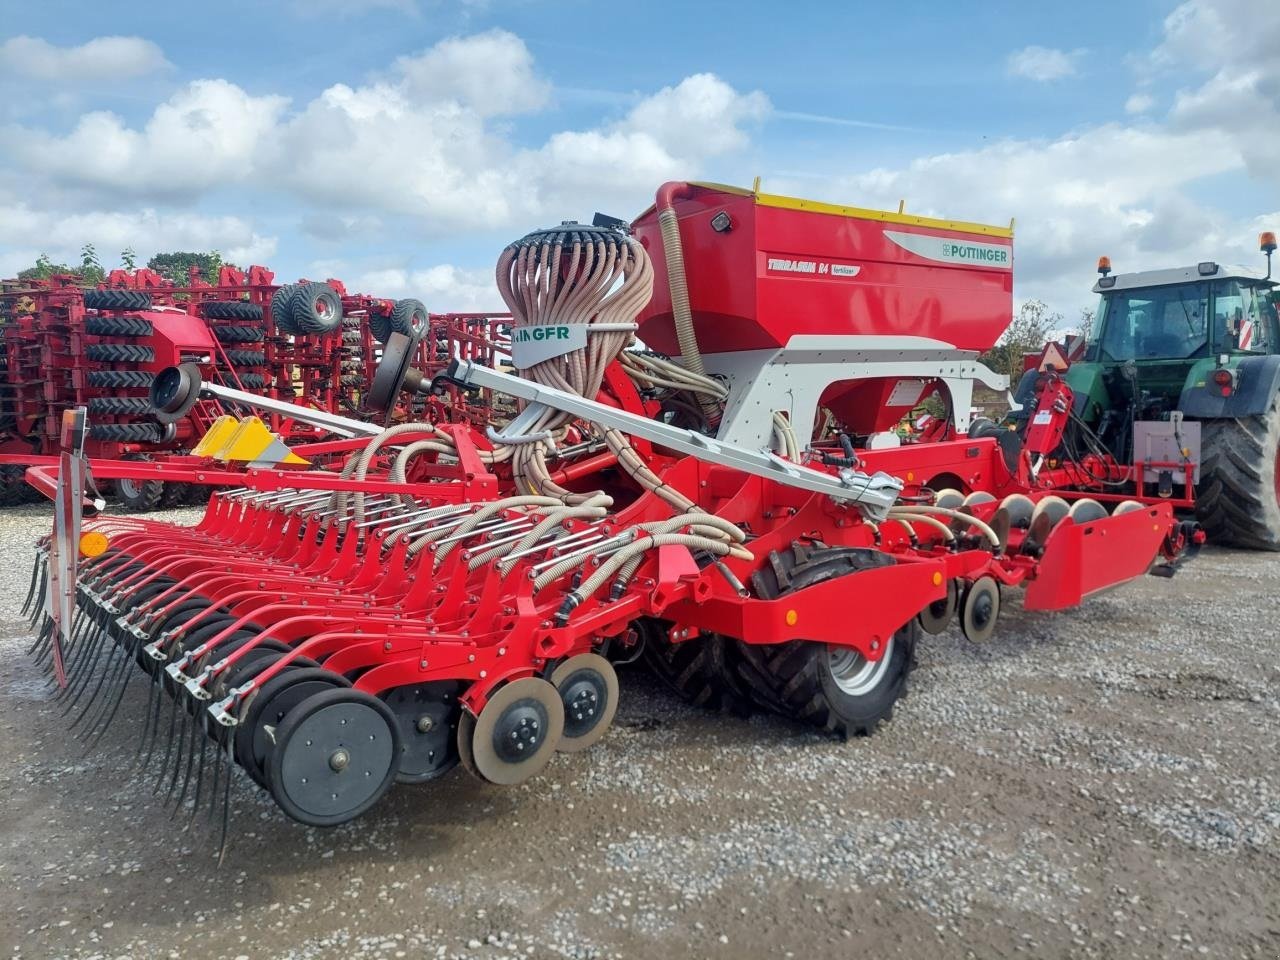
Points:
[(310, 343), (731, 504)]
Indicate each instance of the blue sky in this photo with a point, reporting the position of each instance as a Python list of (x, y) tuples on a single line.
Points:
[(398, 144)]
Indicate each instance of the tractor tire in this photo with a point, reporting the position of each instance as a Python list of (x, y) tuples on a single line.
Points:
[(697, 669), (118, 327), (120, 379), (246, 358), (248, 381), (380, 327), (127, 432), (281, 312), (316, 309), (139, 496), (832, 688), (1238, 500), (120, 406), (239, 334), (14, 489), (117, 300), (410, 318), (231, 310), (119, 353)]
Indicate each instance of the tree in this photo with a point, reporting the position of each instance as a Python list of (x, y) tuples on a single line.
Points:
[(44, 269), (176, 266), (129, 259), (1085, 327), (1026, 333), (90, 271)]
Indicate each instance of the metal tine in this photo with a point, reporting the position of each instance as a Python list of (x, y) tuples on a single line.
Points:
[(485, 528), (151, 731), (31, 589), (191, 759), (102, 679), (217, 771), (102, 723), (195, 800), (83, 656), (177, 753), (41, 649), (173, 723), (225, 748), (41, 589)]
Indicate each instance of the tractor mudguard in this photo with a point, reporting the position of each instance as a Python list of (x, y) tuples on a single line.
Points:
[(1257, 380)]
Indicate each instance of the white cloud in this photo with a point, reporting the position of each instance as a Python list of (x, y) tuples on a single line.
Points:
[(444, 288), (206, 135), (492, 73), (1139, 103), (61, 235), (1043, 64), (100, 59)]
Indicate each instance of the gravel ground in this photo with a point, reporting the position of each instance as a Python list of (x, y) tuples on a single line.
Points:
[(1101, 783)]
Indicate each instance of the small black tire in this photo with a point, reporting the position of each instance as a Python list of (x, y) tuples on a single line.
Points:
[(1238, 500), (120, 406), (231, 310), (121, 379), (127, 432), (239, 334), (139, 496), (246, 358), (119, 353), (280, 310)]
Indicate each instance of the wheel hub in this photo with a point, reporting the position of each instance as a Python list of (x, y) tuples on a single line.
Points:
[(520, 730), (853, 673)]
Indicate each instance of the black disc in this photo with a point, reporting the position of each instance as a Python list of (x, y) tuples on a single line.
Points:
[(269, 706), (335, 755), (427, 715)]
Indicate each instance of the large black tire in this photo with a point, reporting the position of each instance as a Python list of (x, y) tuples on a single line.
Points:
[(139, 496), (239, 334), (831, 688), (316, 308), (231, 310), (1238, 501), (246, 358), (410, 318), (281, 312), (118, 327), (380, 327), (117, 300), (248, 381), (14, 489), (119, 353), (120, 379), (698, 669), (127, 432), (120, 406)]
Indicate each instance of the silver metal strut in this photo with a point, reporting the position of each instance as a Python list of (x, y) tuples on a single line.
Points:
[(874, 494)]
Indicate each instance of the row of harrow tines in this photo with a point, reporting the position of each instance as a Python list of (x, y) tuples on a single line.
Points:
[(330, 644)]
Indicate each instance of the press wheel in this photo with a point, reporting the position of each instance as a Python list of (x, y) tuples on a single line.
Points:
[(517, 731), (980, 609), (588, 687), (937, 616)]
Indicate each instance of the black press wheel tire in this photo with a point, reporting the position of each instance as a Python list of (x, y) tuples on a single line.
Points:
[(833, 688), (380, 327), (139, 496), (117, 300), (316, 308), (323, 771), (120, 406), (228, 335), (118, 327), (1238, 501), (248, 381), (231, 310), (281, 314), (121, 379), (119, 353), (409, 317), (127, 432), (246, 358)]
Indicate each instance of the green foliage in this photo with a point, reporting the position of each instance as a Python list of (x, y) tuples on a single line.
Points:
[(90, 271), (129, 259), (176, 266), (1027, 333), (44, 269)]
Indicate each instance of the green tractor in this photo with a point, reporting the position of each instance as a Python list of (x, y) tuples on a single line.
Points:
[(1176, 398)]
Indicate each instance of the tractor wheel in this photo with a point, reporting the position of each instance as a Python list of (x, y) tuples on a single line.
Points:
[(118, 327), (833, 688), (239, 334), (119, 353), (117, 300), (409, 317), (248, 381), (316, 308), (139, 496), (698, 670), (231, 310), (14, 489), (1238, 502), (281, 315), (120, 379), (380, 327)]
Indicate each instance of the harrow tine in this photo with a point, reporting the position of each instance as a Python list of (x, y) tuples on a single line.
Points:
[(38, 608), (217, 774), (168, 750), (177, 754), (107, 677), (82, 669), (151, 731), (100, 725), (225, 748), (31, 589), (40, 649), (195, 801), (191, 760)]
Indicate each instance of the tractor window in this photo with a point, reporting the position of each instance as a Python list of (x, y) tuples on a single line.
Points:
[(1243, 316), (1156, 323)]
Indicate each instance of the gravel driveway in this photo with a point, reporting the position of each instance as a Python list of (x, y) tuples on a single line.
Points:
[(1100, 783)]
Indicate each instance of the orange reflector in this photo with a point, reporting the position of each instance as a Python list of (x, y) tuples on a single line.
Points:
[(937, 579), (792, 617), (93, 544)]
